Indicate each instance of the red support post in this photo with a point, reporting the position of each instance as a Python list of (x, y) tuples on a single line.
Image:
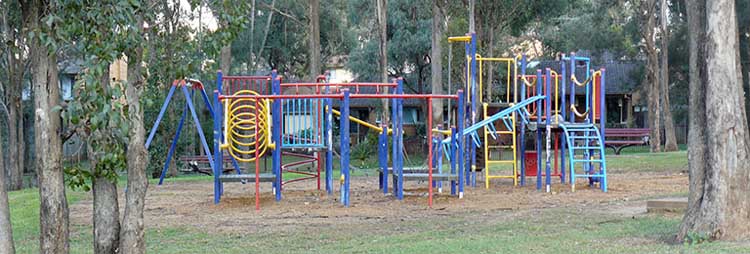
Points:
[(429, 142)]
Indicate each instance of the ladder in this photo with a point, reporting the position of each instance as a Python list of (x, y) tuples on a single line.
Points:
[(586, 149), (490, 130)]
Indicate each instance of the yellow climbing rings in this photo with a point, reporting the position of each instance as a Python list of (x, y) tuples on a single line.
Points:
[(246, 126)]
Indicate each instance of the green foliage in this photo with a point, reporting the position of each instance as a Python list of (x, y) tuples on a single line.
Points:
[(594, 25), (286, 43), (409, 35), (100, 35)]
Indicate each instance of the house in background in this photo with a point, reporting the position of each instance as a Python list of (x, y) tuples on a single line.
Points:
[(69, 70)]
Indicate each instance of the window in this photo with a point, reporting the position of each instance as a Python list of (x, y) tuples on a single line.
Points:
[(66, 87), (410, 115)]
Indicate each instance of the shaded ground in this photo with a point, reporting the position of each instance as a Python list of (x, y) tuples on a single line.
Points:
[(190, 204)]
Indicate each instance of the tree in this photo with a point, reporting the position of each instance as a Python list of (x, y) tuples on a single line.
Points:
[(382, 8), (53, 209), (647, 14), (6, 238), (314, 19), (670, 143), (718, 207), (436, 61), (132, 232), (15, 68)]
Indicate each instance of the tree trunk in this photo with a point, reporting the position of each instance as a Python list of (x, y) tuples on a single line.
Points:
[(382, 9), (16, 145), (250, 59), (268, 28), (226, 58), (314, 39), (6, 237), (16, 63), (106, 216), (53, 209), (670, 143), (472, 22), (718, 207), (489, 69), (132, 231), (648, 24), (436, 62)]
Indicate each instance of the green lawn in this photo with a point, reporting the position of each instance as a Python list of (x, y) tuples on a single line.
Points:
[(558, 230)]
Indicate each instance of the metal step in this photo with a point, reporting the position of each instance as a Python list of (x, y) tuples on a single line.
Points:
[(436, 177), (266, 177)]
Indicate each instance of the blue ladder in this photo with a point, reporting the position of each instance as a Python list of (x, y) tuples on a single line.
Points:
[(587, 141)]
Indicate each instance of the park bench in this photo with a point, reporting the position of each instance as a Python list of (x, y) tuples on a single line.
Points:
[(620, 138), (199, 164)]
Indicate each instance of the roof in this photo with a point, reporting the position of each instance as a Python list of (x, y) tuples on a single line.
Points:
[(70, 66)]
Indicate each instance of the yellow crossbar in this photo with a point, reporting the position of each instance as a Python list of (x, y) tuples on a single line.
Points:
[(459, 38), (363, 123)]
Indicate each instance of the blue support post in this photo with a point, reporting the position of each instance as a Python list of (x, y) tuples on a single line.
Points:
[(474, 95), (522, 143), (548, 129), (276, 134), (539, 130), (345, 148), (453, 157), (602, 128), (572, 115), (394, 144), (460, 120), (173, 145), (207, 102), (563, 108), (161, 116), (217, 168), (329, 143), (400, 138), (383, 157), (198, 126)]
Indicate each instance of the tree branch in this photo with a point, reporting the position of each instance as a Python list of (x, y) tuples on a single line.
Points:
[(290, 16)]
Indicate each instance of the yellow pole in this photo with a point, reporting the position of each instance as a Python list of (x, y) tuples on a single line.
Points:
[(363, 123), (486, 150)]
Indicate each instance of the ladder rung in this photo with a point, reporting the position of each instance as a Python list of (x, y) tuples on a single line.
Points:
[(500, 147), (583, 137), (493, 177), (504, 132), (499, 162)]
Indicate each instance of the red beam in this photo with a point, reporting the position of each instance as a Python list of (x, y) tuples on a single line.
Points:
[(339, 84), (299, 155), (247, 77), (403, 96)]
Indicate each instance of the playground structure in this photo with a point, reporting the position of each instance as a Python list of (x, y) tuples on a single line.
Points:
[(582, 130), (261, 118)]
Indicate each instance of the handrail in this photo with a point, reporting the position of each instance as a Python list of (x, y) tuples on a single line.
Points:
[(361, 122)]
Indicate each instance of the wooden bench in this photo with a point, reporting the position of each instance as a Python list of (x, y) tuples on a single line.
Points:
[(617, 139), (199, 164)]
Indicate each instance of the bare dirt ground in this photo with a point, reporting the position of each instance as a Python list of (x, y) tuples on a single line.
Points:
[(190, 204)]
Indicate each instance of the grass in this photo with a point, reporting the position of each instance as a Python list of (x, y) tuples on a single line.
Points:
[(548, 231), (24, 212), (539, 231)]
